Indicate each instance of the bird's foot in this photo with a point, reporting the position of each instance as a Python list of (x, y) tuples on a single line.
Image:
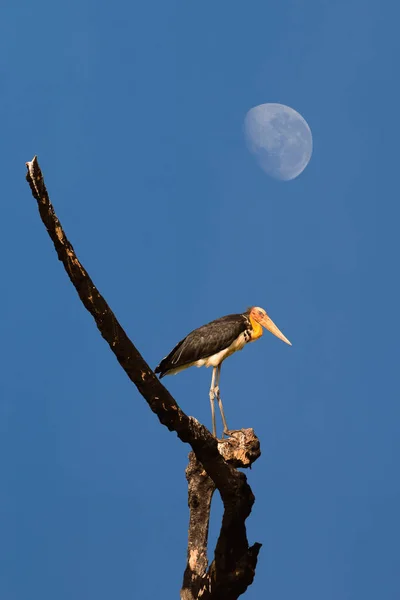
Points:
[(228, 435), (223, 440), (241, 448)]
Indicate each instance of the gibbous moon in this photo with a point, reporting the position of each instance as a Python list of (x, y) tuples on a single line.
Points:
[(280, 139)]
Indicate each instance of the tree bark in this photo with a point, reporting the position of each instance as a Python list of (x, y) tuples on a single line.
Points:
[(211, 465), (200, 490)]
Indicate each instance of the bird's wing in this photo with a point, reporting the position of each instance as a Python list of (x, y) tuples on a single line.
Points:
[(203, 342)]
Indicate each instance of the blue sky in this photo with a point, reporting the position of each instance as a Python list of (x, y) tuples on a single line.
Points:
[(136, 113)]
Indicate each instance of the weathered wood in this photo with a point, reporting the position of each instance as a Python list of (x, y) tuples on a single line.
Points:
[(232, 570), (200, 492)]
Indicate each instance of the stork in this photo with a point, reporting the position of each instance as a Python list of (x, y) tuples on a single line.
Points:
[(211, 344)]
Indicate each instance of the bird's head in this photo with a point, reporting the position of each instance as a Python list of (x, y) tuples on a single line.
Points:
[(260, 316)]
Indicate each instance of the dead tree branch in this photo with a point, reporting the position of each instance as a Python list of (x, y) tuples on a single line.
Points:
[(232, 570), (201, 489)]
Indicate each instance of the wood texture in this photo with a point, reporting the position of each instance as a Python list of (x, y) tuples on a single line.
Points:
[(233, 567)]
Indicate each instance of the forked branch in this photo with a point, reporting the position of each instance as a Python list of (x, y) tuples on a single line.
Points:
[(232, 570)]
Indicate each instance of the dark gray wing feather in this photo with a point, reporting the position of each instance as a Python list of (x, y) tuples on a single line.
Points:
[(204, 342)]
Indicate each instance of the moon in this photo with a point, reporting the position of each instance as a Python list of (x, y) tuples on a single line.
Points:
[(280, 139)]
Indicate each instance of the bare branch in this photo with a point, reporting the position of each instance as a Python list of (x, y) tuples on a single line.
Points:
[(233, 567), (201, 490)]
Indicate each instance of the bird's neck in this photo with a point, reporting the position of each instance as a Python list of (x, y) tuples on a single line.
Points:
[(257, 329)]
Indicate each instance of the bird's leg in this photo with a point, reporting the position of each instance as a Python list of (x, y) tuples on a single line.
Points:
[(217, 393), (212, 396)]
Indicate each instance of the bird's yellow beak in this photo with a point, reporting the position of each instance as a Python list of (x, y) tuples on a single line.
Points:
[(270, 325)]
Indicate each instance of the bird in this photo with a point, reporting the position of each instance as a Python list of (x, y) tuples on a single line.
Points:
[(212, 343)]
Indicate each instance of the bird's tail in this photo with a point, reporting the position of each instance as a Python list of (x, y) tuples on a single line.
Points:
[(159, 370)]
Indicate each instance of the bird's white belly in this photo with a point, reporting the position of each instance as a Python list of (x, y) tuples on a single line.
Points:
[(216, 359)]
